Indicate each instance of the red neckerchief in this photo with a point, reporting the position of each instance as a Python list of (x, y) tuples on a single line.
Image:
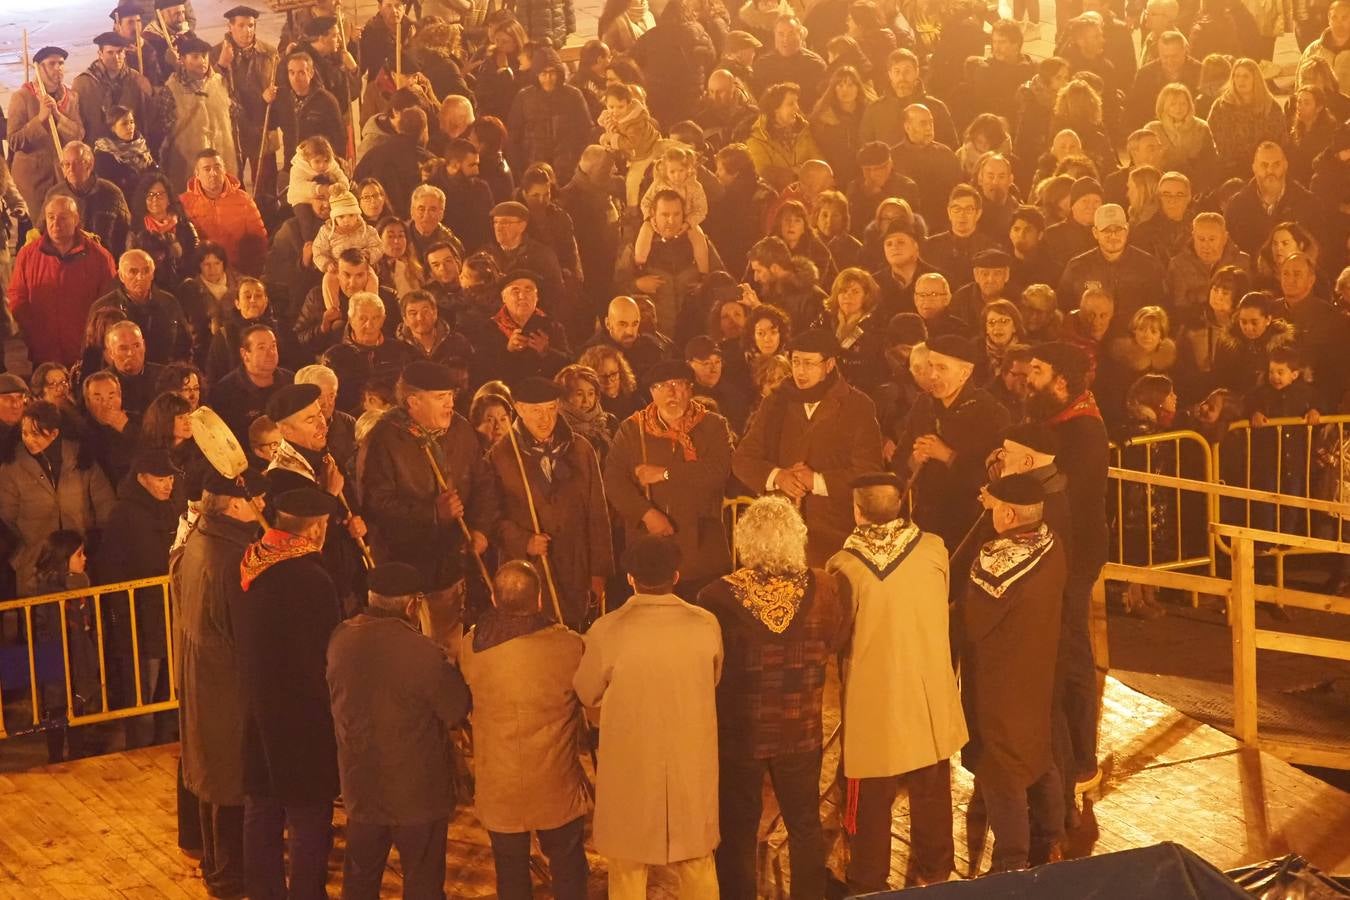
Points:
[(1083, 405), (274, 547), (651, 422), (507, 325), (66, 95), (154, 226)]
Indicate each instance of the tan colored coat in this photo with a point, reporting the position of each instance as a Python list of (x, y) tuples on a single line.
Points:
[(902, 708), (201, 120), (35, 160), (527, 766), (653, 666)]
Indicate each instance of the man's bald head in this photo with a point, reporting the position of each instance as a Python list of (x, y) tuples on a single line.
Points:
[(815, 176), (596, 162), (516, 587), (623, 320), (721, 85)]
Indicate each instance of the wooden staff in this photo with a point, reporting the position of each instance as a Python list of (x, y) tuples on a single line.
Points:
[(444, 486), (234, 126), (51, 117), (360, 542), (398, 49), (140, 54), (262, 146), (27, 63), (534, 520)]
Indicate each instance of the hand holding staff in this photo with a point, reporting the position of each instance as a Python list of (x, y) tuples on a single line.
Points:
[(444, 486), (534, 521)]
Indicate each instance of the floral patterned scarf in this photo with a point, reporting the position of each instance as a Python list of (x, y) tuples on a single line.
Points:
[(274, 547), (1004, 560), (773, 599), (652, 423)]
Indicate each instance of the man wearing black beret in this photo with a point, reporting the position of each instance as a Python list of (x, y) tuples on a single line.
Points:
[(553, 504), (521, 340), (990, 270), (249, 66), (950, 432), (413, 518), (1009, 633), (396, 699), (161, 45), (666, 470), (282, 621), (809, 439), (200, 118), (36, 165), (110, 82)]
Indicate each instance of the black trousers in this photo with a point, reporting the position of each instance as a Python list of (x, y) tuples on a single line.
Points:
[(933, 850), (277, 833), (222, 829), (1077, 672), (796, 784), (565, 850), (421, 854), (1013, 807)]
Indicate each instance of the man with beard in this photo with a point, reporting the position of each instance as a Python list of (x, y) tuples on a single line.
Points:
[(416, 519), (793, 443), (103, 208), (204, 585), (950, 432), (994, 178), (302, 460), (788, 282), (930, 163), (553, 505), (199, 116), (888, 118), (1271, 197), (162, 40), (666, 471), (619, 330), (1131, 276), (468, 199), (44, 99), (726, 113), (249, 66), (110, 82), (1059, 397)]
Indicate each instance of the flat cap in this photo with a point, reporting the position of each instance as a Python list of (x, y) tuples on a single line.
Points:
[(954, 346), (1065, 358), (652, 559), (668, 370), (741, 40), (1034, 436), (289, 400), (155, 461), (1019, 490), (395, 579), (816, 340), (319, 26), (537, 390), (254, 485), (112, 39), (991, 258), (48, 53), (193, 44), (126, 9), (518, 275), (511, 209), (424, 375), (306, 503), (877, 479), (235, 12), (12, 384), (1083, 187), (906, 328), (701, 347)]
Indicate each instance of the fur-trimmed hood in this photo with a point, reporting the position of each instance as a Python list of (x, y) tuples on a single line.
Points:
[(1279, 333)]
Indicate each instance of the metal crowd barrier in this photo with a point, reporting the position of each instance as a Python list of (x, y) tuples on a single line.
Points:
[(53, 659)]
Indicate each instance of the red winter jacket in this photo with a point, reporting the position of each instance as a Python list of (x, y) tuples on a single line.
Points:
[(231, 220), (50, 295)]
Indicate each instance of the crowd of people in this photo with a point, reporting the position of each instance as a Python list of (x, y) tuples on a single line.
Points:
[(499, 334)]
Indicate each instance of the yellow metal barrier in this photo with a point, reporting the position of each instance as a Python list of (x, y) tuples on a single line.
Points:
[(1170, 516), (98, 596)]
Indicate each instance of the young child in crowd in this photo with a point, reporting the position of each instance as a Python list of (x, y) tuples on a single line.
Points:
[(314, 164), (676, 170), (1147, 517), (346, 229), (630, 131), (1279, 457)]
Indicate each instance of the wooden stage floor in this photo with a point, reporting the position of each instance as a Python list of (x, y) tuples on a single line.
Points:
[(106, 826)]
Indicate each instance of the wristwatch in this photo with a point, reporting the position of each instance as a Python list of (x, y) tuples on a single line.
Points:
[(665, 474)]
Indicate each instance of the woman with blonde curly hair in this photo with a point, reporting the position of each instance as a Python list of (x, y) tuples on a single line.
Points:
[(618, 384), (781, 622), (848, 314), (1188, 145)]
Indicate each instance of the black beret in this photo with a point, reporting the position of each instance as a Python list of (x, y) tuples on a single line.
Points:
[(128, 8), (1019, 490), (1066, 359), (954, 346), (193, 44), (112, 39), (511, 209), (906, 328), (154, 462), (878, 479), (395, 579), (236, 11), (652, 559), (1034, 436), (49, 52), (901, 226), (320, 25), (668, 370), (168, 4), (424, 375), (701, 347), (536, 390), (254, 485), (290, 399), (306, 503), (991, 258), (816, 340), (517, 275)]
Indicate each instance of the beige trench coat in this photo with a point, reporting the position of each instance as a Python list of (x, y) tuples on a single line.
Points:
[(527, 766), (902, 708), (652, 666)]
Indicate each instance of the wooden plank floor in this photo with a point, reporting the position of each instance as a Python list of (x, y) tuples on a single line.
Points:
[(106, 826)]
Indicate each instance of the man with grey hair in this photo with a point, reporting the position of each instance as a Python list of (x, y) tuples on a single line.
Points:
[(527, 729), (781, 622), (103, 208), (156, 311), (364, 350), (396, 698), (897, 577), (341, 425), (1010, 617), (124, 351)]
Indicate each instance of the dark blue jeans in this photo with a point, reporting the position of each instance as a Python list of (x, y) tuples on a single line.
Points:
[(796, 785), (421, 856), (272, 830)]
